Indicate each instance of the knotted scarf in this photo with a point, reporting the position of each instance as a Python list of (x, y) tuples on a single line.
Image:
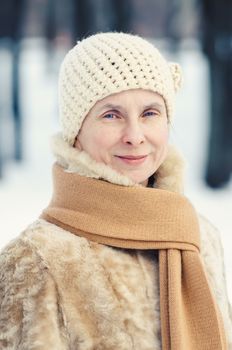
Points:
[(147, 218)]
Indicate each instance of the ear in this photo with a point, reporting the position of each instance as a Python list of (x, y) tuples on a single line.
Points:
[(176, 73)]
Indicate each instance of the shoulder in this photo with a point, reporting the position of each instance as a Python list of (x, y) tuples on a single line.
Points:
[(17, 257), (213, 259), (210, 238), (22, 268), (28, 293), (22, 277), (40, 244), (32, 258), (212, 252)]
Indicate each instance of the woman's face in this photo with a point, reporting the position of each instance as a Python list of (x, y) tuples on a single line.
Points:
[(124, 126)]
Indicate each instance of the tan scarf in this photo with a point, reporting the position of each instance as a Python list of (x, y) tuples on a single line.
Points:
[(145, 218)]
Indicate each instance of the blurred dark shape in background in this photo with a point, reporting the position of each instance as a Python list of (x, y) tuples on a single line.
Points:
[(11, 15), (217, 46), (61, 24), (94, 16)]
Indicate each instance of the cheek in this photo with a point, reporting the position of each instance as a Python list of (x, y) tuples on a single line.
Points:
[(165, 136), (160, 137), (101, 142)]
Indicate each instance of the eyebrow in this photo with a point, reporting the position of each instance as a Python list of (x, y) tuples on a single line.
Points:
[(110, 106), (120, 108), (153, 105)]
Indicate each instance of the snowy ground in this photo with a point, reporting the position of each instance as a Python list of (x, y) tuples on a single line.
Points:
[(26, 188)]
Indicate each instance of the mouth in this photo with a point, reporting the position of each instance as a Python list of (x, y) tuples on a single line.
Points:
[(132, 159)]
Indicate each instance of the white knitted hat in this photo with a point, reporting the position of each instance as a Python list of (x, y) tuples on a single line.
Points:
[(107, 63)]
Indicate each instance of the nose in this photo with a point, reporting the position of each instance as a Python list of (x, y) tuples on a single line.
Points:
[(133, 134)]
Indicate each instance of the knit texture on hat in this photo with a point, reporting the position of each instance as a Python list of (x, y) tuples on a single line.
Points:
[(107, 63)]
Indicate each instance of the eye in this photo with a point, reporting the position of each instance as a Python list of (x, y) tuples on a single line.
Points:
[(150, 113), (110, 116)]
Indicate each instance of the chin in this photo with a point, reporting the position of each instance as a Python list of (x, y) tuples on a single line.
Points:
[(136, 176), (138, 179)]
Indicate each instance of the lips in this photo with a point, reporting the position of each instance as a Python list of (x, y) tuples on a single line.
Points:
[(132, 160), (132, 157)]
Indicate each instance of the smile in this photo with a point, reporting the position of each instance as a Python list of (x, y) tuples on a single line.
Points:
[(132, 161)]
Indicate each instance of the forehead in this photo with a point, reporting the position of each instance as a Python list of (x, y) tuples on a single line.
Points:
[(138, 97)]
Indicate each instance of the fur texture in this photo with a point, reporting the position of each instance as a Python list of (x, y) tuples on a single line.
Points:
[(59, 291), (169, 176)]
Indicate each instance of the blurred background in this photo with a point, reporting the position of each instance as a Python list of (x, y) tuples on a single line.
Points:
[(34, 37)]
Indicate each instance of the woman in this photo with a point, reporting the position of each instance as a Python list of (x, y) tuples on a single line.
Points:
[(119, 259)]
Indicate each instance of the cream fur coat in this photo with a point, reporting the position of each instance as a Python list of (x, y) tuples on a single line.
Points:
[(61, 292)]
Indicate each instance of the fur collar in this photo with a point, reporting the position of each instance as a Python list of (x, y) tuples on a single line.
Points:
[(169, 176)]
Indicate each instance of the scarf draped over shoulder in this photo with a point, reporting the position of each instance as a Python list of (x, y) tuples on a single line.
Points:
[(147, 218)]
